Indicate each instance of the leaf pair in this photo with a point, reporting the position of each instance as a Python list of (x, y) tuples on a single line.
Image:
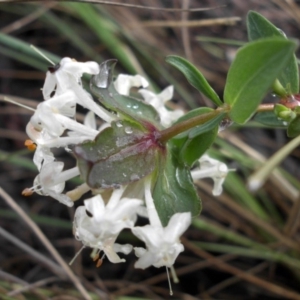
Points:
[(254, 70), (288, 78), (130, 149)]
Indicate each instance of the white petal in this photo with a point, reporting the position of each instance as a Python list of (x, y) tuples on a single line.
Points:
[(145, 261), (45, 118), (218, 186), (49, 85), (124, 83), (168, 117), (65, 141), (96, 207), (66, 175), (64, 103), (112, 255), (90, 120), (139, 251), (150, 98), (127, 208), (80, 213), (32, 132), (64, 199), (86, 100), (177, 225), (168, 256), (151, 236), (142, 212), (166, 94), (75, 126), (125, 249), (74, 67), (42, 155), (49, 173)]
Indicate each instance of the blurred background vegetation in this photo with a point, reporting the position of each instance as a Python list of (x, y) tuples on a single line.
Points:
[(243, 246)]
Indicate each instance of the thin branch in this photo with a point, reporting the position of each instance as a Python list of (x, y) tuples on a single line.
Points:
[(191, 23), (120, 4), (233, 280), (56, 269), (246, 214), (46, 243), (32, 286), (9, 277), (270, 287), (25, 20)]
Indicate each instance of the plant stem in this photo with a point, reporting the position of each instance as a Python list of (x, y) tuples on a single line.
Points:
[(265, 107), (174, 130), (178, 128)]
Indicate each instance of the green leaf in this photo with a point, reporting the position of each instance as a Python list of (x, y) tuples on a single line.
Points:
[(102, 86), (259, 27), (119, 155), (194, 77), (174, 190), (191, 145), (253, 71), (294, 128), (269, 119), (19, 50), (195, 147)]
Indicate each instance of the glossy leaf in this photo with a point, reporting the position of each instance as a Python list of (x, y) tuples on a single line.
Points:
[(194, 77), (294, 128), (102, 86), (174, 190), (119, 155), (253, 71), (259, 27), (269, 119), (191, 145)]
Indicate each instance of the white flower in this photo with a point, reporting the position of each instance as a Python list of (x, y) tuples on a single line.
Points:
[(67, 74), (66, 77), (98, 225), (51, 181), (124, 83), (162, 243), (53, 124), (213, 168), (47, 111), (45, 141), (158, 102)]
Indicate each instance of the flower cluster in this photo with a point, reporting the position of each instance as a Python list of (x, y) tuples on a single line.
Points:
[(100, 220)]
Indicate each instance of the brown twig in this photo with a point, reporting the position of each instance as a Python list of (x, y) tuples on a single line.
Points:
[(192, 23), (128, 5), (292, 223), (37, 231), (270, 287), (180, 271), (32, 286), (251, 217), (233, 280), (27, 19)]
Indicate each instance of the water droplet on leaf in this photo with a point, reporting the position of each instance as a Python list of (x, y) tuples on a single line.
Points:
[(128, 130), (119, 124), (134, 177), (281, 32)]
